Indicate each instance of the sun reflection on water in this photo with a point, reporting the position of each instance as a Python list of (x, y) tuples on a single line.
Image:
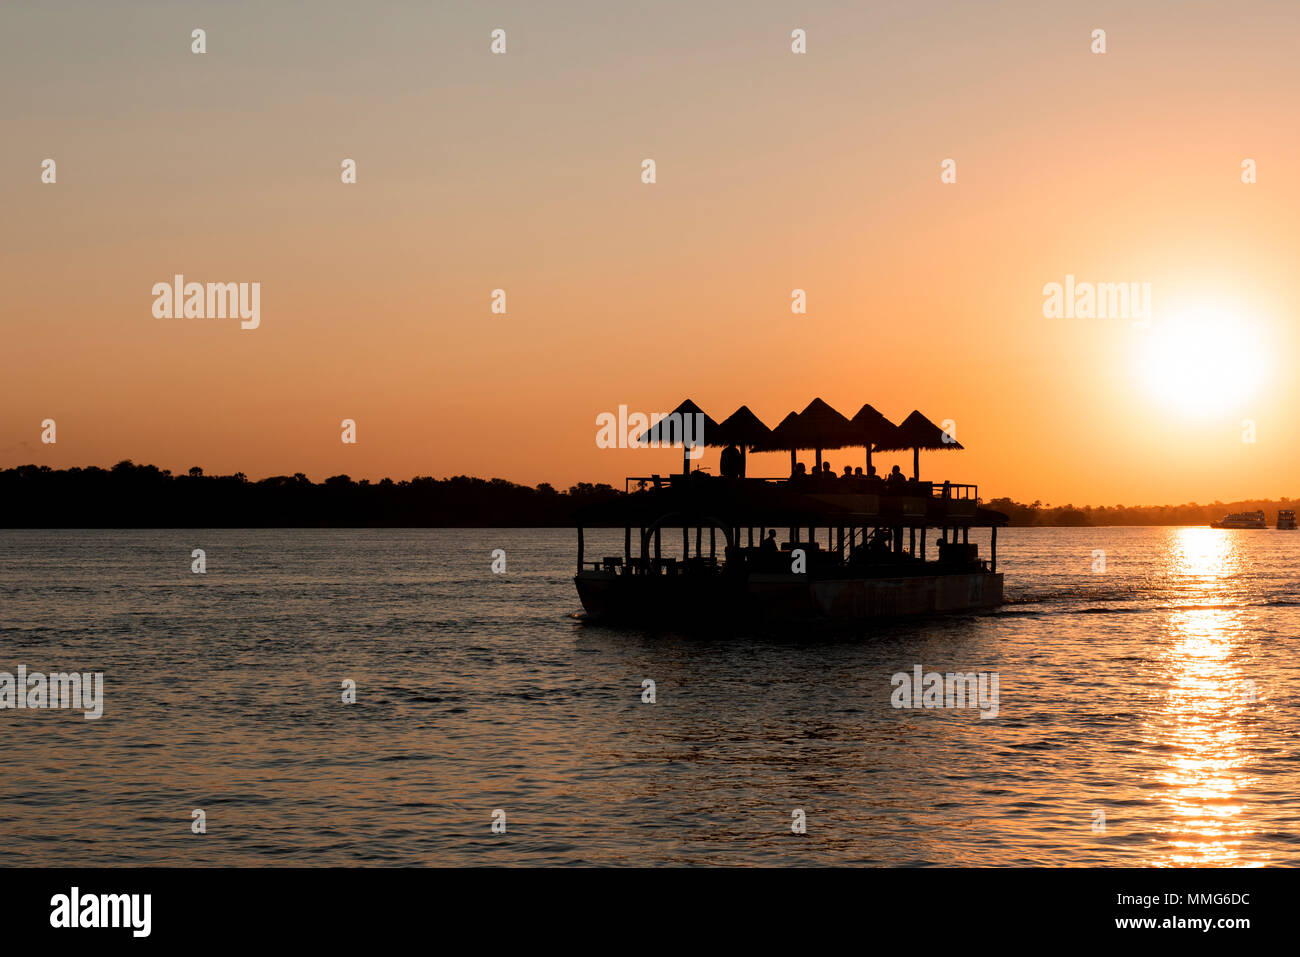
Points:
[(1200, 721)]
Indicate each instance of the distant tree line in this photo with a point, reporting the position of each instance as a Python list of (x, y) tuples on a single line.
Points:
[(144, 496), (1037, 513)]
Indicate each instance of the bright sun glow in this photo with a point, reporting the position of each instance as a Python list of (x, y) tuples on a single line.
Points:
[(1198, 363)]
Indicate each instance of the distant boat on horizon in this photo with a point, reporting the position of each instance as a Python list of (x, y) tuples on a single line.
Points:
[(1247, 520)]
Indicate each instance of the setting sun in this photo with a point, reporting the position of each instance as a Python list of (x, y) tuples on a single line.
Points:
[(1202, 364)]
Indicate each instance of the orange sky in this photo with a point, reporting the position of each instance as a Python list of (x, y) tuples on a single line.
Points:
[(775, 171)]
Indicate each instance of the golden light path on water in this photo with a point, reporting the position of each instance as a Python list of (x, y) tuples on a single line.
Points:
[(1200, 724)]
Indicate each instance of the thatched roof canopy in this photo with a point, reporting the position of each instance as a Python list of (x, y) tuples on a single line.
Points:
[(674, 428), (917, 432), (870, 427), (783, 427), (670, 428), (742, 428), (817, 427)]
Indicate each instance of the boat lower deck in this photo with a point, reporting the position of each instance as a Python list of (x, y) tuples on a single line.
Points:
[(610, 596), (847, 554)]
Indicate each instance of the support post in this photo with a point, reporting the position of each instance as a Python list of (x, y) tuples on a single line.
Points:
[(580, 548)]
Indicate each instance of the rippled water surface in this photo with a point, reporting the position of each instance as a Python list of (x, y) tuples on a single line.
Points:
[(1159, 693)]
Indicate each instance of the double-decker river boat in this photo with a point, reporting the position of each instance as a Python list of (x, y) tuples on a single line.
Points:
[(802, 548)]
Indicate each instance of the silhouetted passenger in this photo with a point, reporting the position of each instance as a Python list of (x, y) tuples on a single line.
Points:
[(769, 543), (729, 462), (848, 471), (897, 481), (947, 489)]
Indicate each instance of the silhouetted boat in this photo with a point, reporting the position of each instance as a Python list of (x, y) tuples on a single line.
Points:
[(1242, 520), (1286, 519), (844, 557)]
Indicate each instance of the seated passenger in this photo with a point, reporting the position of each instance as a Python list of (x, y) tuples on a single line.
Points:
[(769, 543), (897, 481)]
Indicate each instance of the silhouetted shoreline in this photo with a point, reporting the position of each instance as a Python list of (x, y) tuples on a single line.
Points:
[(1066, 516), (144, 496)]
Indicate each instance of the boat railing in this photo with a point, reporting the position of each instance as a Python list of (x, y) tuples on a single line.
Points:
[(956, 490), (643, 482)]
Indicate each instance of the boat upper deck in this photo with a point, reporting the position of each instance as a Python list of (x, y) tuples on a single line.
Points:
[(863, 517), (698, 498)]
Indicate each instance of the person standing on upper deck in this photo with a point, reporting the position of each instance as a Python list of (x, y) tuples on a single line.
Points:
[(729, 462)]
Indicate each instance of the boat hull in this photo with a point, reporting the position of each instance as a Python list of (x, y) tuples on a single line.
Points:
[(759, 597)]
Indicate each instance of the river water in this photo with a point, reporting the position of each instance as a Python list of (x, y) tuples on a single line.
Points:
[(1146, 712)]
